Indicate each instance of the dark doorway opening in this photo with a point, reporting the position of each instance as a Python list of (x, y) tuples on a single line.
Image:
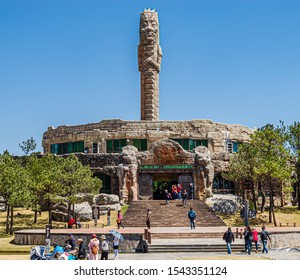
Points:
[(106, 182), (159, 188), (162, 182)]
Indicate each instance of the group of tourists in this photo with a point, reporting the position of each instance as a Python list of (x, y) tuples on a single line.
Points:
[(251, 236), (78, 250), (179, 193)]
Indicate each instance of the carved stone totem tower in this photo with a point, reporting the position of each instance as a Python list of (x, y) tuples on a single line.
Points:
[(149, 59)]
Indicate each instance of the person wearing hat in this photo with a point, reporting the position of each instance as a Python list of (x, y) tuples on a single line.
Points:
[(71, 241), (81, 255), (56, 251), (68, 248), (93, 247), (104, 248)]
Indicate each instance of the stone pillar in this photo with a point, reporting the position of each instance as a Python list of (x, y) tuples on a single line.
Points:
[(131, 183), (204, 172), (122, 174), (149, 60)]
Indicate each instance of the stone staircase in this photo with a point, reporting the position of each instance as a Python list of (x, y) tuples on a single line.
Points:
[(173, 215), (185, 235), (205, 248)]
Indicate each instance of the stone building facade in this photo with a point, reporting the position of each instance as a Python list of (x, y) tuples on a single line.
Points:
[(140, 159), (130, 156)]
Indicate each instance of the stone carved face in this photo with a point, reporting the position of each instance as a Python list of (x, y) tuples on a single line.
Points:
[(167, 154), (149, 27)]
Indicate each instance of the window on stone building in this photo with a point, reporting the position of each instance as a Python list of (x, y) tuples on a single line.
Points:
[(67, 148), (140, 144), (223, 186), (235, 147), (115, 145), (95, 148), (232, 146), (190, 144), (229, 147)]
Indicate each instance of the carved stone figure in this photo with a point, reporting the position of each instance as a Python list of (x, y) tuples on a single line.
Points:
[(149, 59)]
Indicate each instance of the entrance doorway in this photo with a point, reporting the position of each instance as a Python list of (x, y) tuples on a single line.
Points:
[(153, 185), (162, 182)]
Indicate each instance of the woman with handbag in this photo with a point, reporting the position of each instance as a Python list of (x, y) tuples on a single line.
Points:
[(119, 220)]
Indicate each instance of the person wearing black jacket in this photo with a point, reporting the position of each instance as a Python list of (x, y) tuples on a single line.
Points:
[(81, 255), (264, 236), (229, 238), (248, 234), (71, 241)]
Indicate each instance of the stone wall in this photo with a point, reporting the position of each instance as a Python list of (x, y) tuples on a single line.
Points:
[(285, 240), (123, 167), (133, 242), (215, 133)]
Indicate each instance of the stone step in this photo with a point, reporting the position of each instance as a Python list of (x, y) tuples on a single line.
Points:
[(196, 248), (173, 215), (186, 235)]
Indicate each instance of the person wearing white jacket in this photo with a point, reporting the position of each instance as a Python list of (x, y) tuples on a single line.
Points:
[(116, 247)]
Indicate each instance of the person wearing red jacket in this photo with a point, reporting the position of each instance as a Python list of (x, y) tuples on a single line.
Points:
[(255, 239), (71, 222)]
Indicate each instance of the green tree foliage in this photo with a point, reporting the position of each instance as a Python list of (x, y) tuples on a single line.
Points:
[(264, 162), (292, 133), (273, 167), (35, 181), (59, 179), (28, 146), (241, 168), (74, 178), (44, 187), (14, 186)]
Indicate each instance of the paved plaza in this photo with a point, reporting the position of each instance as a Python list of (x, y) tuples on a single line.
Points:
[(272, 255)]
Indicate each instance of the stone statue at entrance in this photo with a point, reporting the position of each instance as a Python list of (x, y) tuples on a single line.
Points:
[(149, 60)]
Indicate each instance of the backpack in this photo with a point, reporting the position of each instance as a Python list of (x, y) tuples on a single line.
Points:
[(192, 215), (228, 236), (95, 250), (263, 235)]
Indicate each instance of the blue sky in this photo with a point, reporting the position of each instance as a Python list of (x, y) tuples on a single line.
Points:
[(75, 62)]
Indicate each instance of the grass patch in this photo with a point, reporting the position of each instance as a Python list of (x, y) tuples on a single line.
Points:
[(7, 246), (124, 208), (283, 215), (23, 219)]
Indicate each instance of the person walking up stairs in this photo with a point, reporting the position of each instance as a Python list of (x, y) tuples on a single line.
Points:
[(192, 217)]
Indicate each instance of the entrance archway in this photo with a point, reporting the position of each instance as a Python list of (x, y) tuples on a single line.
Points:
[(153, 185), (162, 182)]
